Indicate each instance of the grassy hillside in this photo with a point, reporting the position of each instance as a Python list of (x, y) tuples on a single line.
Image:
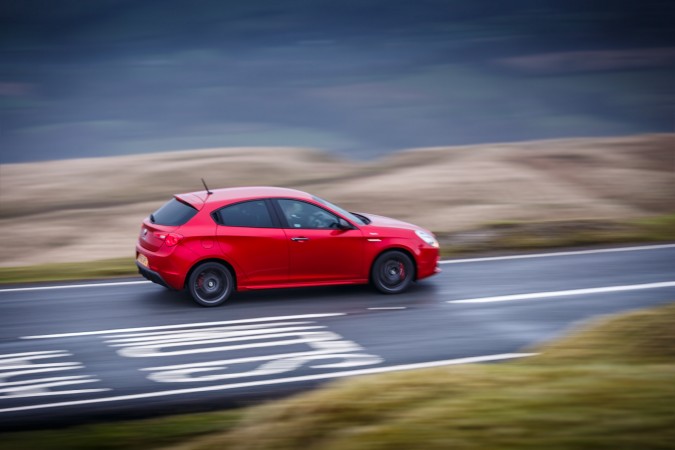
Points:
[(91, 209)]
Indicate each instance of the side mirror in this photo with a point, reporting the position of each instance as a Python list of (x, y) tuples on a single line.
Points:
[(344, 225)]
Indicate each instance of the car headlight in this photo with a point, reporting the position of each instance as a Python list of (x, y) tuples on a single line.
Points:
[(427, 237)]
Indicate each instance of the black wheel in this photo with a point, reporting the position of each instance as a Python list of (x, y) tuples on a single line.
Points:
[(392, 272), (211, 284)]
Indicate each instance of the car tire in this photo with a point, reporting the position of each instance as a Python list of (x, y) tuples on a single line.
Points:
[(211, 284), (392, 272)]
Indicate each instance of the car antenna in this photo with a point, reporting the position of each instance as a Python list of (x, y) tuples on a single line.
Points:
[(208, 192)]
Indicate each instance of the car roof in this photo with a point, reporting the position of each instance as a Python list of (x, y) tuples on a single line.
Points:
[(242, 193)]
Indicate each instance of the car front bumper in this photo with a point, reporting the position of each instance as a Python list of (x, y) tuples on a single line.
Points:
[(427, 262)]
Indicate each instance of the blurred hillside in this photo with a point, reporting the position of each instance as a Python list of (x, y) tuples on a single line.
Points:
[(89, 209)]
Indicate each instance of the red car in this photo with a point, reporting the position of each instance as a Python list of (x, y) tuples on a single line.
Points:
[(216, 242)]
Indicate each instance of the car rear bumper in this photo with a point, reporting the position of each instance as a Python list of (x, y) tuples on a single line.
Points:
[(165, 269), (151, 275)]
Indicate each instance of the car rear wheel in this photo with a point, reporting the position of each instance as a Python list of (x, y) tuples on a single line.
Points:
[(393, 272), (211, 284)]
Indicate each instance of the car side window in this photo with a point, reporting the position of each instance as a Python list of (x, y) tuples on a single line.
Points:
[(252, 214), (300, 214)]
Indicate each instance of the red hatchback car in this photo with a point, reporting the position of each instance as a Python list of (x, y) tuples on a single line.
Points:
[(216, 242)]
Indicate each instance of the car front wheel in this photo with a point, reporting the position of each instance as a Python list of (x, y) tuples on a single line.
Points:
[(211, 284), (393, 272)]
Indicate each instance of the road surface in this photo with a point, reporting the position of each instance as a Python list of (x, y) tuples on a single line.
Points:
[(127, 348)]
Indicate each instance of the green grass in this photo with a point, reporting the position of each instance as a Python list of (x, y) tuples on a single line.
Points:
[(127, 435), (517, 236), (607, 386), (499, 236), (69, 271)]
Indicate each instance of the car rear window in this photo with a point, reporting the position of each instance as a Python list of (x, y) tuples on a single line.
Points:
[(173, 212)]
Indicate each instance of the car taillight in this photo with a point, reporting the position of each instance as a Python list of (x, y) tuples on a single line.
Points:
[(170, 239)]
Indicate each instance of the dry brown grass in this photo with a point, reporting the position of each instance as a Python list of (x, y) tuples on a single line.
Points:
[(90, 209)]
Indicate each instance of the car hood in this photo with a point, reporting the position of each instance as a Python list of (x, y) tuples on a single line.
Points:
[(382, 221)]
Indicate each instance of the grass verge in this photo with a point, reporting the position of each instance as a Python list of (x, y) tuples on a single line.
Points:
[(607, 386), (503, 236), (516, 236), (106, 268), (127, 435)]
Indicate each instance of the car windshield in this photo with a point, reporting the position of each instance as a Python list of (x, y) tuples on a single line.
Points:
[(354, 218)]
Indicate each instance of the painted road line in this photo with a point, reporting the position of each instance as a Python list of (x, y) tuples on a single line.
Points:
[(322, 376), (184, 325), (307, 338), (75, 286), (345, 347), (384, 308), (553, 254), (573, 292)]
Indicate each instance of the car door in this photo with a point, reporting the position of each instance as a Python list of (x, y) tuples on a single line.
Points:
[(250, 238), (319, 250)]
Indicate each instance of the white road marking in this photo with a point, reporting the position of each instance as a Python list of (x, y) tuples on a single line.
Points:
[(554, 254), (206, 340), (346, 346), (379, 308), (44, 380), (533, 295), (274, 367), (74, 286), (178, 334), (323, 376), (41, 389), (326, 345), (22, 365), (183, 325), (304, 338), (203, 336), (34, 355)]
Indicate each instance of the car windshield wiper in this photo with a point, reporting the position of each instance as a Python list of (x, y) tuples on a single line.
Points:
[(152, 218), (362, 217)]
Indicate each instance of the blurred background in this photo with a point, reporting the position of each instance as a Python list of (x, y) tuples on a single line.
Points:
[(330, 97), (358, 78)]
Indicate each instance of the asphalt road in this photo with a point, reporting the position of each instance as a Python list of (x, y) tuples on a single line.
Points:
[(129, 348)]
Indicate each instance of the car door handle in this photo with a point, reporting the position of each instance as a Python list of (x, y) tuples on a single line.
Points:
[(296, 239)]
